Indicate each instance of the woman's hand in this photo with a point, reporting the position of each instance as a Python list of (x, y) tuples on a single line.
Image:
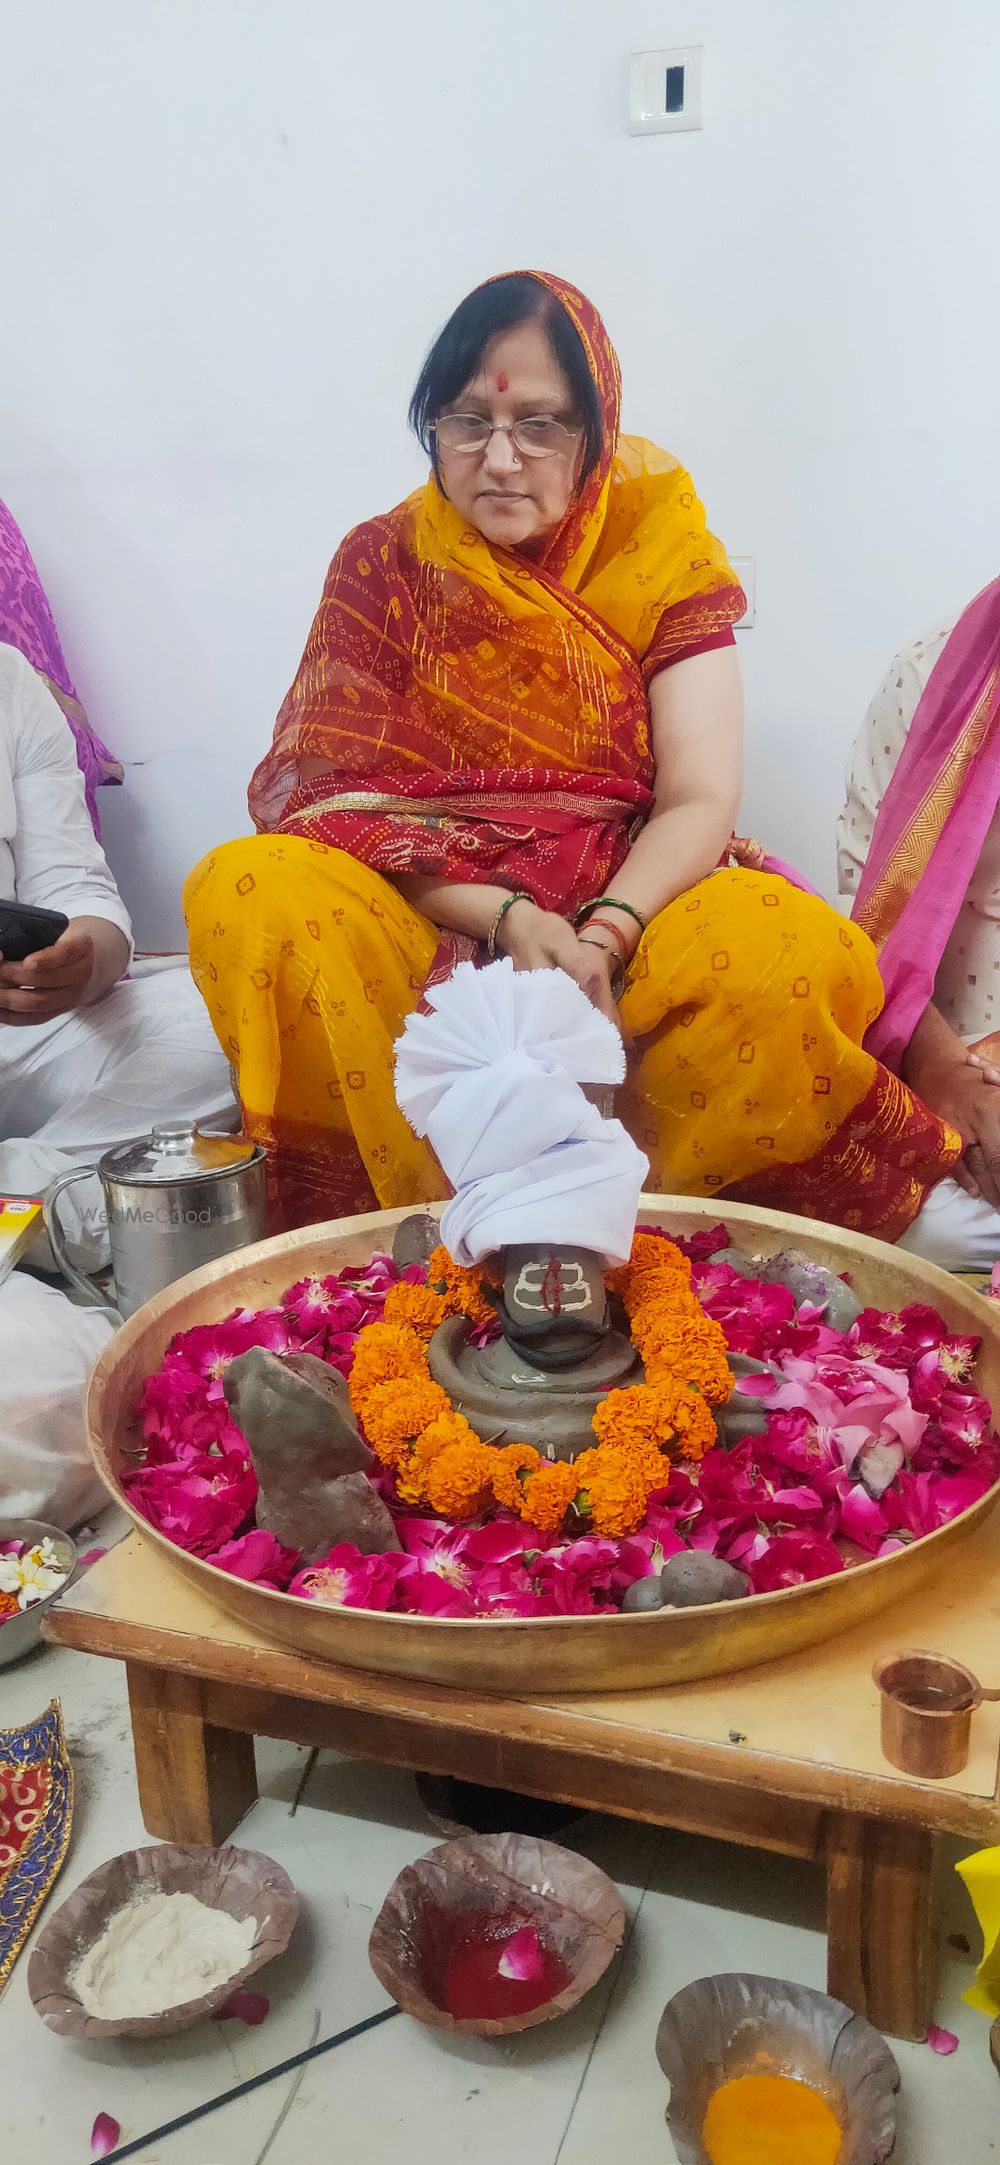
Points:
[(541, 940), (599, 967)]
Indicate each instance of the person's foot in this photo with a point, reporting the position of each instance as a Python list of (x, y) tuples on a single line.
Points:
[(469, 1808)]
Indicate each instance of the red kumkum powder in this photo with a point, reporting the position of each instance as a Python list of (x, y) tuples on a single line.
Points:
[(469, 1982)]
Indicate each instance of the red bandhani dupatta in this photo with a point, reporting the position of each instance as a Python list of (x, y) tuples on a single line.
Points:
[(932, 823), (465, 712)]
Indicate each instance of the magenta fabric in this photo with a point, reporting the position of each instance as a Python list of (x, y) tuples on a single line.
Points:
[(788, 872), (934, 819), (26, 622)]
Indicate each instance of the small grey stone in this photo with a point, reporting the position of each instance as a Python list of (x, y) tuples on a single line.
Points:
[(810, 1281), (642, 1595), (743, 1416), (748, 1266), (693, 1578), (806, 1281), (739, 1418), (415, 1239), (743, 1364)]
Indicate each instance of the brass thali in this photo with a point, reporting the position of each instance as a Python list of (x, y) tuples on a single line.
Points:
[(561, 1653)]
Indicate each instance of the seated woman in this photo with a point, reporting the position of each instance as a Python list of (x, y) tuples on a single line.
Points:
[(516, 729), (919, 850)]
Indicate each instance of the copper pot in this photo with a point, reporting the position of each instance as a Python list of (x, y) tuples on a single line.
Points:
[(928, 1702)]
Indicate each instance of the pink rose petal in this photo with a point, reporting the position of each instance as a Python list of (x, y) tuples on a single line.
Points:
[(104, 2135), (249, 2007), (522, 1956), (943, 2041)]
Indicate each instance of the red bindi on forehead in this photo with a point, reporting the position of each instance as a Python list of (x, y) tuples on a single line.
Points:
[(503, 382)]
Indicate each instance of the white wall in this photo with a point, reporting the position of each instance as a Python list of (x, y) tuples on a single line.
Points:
[(229, 228)]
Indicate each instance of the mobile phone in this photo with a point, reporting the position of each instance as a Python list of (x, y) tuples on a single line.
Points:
[(25, 931)]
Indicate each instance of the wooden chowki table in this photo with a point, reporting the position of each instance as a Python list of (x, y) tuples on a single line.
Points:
[(783, 1758)]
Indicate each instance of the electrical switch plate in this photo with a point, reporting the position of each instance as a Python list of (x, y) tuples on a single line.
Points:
[(665, 91)]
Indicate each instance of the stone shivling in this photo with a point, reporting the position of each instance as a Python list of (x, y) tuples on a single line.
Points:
[(561, 1347)]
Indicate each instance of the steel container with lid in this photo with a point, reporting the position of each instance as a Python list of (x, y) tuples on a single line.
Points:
[(172, 1200)]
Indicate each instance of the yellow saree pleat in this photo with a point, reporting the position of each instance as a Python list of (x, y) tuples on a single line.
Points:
[(308, 964), (747, 1002)]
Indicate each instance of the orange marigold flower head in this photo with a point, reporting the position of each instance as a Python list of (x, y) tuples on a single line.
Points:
[(633, 1414), (709, 1371), (659, 1293), (507, 1466), (461, 1289), (613, 1490), (396, 1412), (546, 1495), (384, 1351), (457, 1484), (416, 1305), (447, 1427), (696, 1430), (639, 1420), (650, 1251), (669, 1340)]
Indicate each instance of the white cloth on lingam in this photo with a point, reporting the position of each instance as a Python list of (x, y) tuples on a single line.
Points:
[(492, 1077)]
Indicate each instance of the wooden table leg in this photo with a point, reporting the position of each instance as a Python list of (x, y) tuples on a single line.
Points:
[(880, 1947), (195, 1781)]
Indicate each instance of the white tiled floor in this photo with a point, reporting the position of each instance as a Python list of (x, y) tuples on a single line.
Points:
[(586, 2091)]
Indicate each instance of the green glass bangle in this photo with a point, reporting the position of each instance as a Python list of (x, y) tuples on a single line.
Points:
[(507, 904), (607, 902)]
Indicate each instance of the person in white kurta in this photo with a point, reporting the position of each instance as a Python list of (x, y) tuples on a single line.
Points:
[(958, 1227), (88, 1058)]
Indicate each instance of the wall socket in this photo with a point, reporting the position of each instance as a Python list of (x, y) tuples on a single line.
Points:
[(665, 91)]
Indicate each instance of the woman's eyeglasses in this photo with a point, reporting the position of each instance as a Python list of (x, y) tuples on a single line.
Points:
[(538, 436)]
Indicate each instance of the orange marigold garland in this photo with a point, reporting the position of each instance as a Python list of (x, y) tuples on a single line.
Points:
[(440, 1462)]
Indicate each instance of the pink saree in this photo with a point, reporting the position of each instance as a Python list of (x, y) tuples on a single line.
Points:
[(932, 823)]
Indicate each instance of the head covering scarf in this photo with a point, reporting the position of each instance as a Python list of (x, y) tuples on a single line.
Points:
[(26, 623), (464, 710)]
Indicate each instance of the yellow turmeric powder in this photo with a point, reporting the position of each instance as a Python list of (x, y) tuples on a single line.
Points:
[(770, 2120)]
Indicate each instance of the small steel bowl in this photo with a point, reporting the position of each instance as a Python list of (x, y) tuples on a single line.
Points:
[(20, 1633)]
